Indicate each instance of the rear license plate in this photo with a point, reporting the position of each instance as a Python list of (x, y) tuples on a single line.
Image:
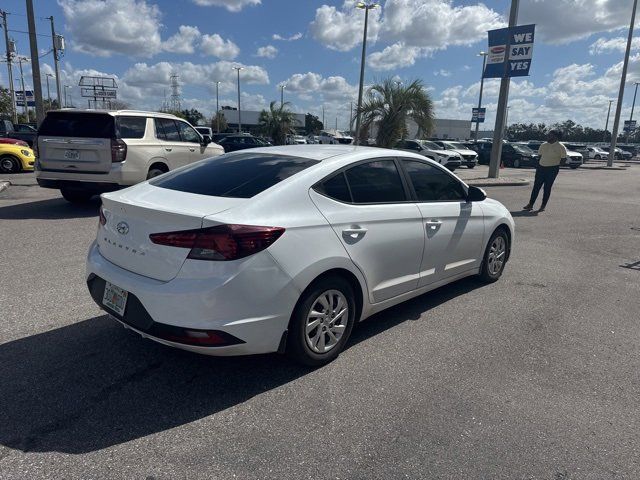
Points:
[(115, 298), (72, 154)]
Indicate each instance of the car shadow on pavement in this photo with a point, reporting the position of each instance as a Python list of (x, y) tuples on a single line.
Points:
[(93, 384), (524, 213), (51, 209)]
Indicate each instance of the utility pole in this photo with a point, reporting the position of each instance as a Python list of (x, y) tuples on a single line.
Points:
[(12, 92), (336, 123), (323, 116), (55, 62), (237, 69), (633, 105), (35, 63), (282, 87), (217, 109), (351, 118), (498, 131), (484, 64), (623, 79), (606, 126), (48, 91), (366, 7), (24, 92)]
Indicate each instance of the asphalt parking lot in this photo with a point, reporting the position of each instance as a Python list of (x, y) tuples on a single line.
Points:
[(534, 377)]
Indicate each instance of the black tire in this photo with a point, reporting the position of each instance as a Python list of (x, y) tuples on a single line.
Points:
[(487, 273), (516, 163), (470, 166), (154, 172), (573, 167), (298, 348), (9, 164), (76, 196), (597, 157)]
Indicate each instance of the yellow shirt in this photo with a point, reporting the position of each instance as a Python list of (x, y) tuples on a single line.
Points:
[(551, 154)]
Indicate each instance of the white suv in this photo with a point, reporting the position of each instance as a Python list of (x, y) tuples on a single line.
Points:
[(86, 152)]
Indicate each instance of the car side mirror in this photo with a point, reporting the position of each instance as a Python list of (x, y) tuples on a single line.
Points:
[(206, 140), (475, 194)]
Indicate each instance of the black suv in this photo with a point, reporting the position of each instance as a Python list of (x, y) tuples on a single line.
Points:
[(231, 143)]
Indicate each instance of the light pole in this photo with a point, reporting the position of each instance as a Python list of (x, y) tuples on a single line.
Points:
[(484, 64), (366, 7), (24, 92), (606, 126), (632, 107), (282, 87), (48, 91), (217, 109), (66, 103), (237, 69), (623, 79)]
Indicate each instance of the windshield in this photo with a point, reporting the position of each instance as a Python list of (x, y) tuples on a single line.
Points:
[(455, 146), (430, 145), (522, 149)]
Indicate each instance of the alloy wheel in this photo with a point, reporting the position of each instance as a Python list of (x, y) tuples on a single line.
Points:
[(497, 253), (326, 321)]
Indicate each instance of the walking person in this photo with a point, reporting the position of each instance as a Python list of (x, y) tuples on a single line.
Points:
[(552, 154)]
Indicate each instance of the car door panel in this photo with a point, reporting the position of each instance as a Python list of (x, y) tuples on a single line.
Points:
[(379, 227), (454, 228), (385, 242)]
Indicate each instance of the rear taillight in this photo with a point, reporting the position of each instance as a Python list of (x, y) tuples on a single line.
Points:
[(118, 150), (103, 219), (223, 242)]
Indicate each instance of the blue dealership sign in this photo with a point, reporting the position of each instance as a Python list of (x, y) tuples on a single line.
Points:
[(510, 52), (477, 115)]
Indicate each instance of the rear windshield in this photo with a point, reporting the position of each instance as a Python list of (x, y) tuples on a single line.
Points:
[(238, 176), (77, 124)]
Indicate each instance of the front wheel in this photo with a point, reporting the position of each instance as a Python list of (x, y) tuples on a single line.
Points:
[(597, 157), (9, 164), (322, 322), (495, 257), (154, 172), (573, 167), (470, 166), (516, 163)]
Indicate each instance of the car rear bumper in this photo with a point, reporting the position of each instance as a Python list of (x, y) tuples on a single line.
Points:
[(120, 175), (253, 305)]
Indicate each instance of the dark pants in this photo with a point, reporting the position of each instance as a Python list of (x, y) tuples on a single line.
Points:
[(545, 176)]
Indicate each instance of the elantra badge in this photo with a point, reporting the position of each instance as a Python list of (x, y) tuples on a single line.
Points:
[(122, 228)]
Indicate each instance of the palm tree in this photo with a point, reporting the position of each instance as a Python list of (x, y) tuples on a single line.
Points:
[(389, 104), (277, 122)]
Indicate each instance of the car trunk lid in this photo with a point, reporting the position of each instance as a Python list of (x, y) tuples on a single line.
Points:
[(133, 214)]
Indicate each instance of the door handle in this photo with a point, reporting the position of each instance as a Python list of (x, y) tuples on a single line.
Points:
[(354, 232), (168, 149), (433, 224), (191, 149)]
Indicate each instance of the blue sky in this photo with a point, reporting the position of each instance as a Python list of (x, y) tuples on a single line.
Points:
[(314, 47)]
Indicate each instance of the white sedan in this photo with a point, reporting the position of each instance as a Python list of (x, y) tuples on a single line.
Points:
[(285, 249)]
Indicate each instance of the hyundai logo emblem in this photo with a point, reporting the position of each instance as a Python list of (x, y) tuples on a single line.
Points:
[(122, 228)]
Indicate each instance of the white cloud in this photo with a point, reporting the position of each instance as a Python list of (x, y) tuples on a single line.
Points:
[(394, 56), (292, 38), (231, 5), (612, 45), (563, 21), (128, 27), (268, 51), (309, 85), (159, 74), (442, 72), (182, 42), (216, 46), (341, 29)]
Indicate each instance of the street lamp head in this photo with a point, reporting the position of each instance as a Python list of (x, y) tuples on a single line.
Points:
[(482, 54), (366, 6)]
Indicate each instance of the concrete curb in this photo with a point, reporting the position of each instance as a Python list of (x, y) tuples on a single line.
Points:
[(604, 167), (519, 182), (4, 185)]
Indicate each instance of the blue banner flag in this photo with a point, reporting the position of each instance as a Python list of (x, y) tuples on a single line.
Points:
[(510, 52), (478, 114)]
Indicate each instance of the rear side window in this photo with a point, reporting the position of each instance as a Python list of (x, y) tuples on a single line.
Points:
[(336, 187), (169, 129), (131, 127), (432, 184), (376, 182), (77, 124), (237, 176)]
